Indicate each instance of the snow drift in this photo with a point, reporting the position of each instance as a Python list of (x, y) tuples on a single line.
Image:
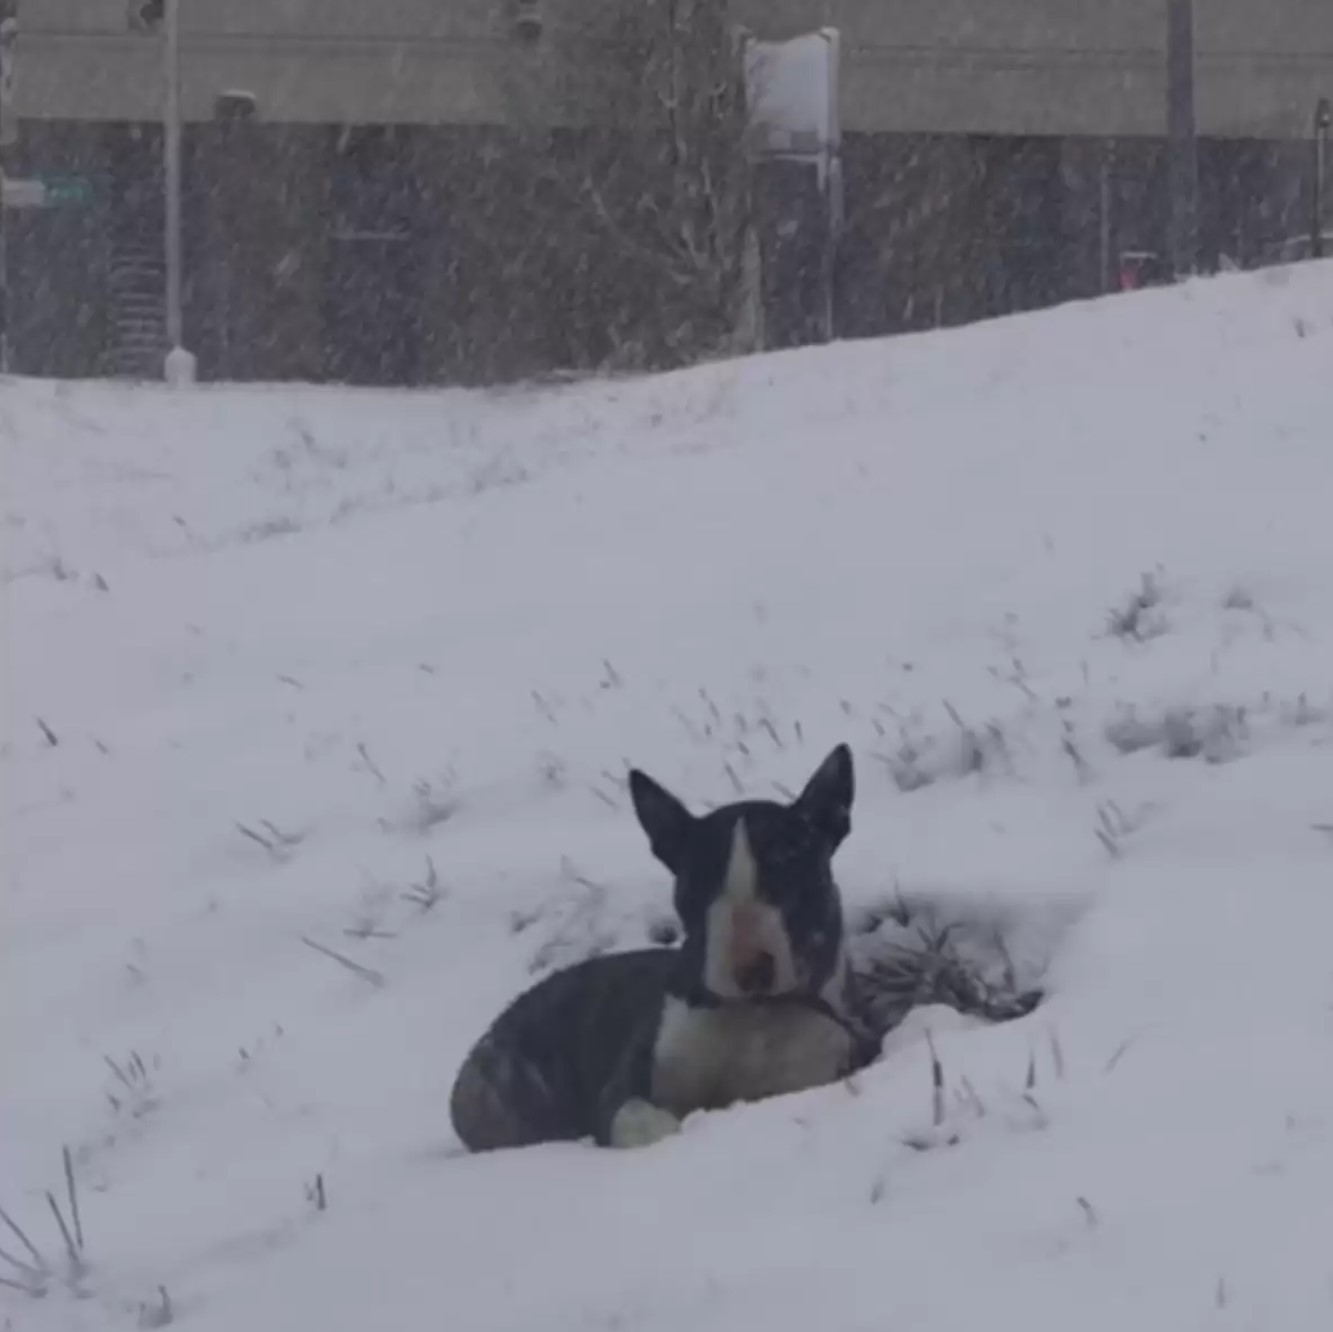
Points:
[(294, 673)]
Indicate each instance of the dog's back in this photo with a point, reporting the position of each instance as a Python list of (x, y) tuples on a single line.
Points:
[(558, 1062)]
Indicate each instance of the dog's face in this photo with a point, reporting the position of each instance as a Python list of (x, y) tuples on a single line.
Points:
[(754, 884)]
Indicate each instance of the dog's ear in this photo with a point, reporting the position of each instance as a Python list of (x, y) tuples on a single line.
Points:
[(666, 821), (826, 802)]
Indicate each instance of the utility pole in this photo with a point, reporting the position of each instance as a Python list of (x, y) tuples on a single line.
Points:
[(1183, 143), (9, 31)]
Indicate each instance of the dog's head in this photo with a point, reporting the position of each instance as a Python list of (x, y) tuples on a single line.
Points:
[(754, 884)]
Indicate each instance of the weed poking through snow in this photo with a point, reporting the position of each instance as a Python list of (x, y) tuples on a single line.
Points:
[(937, 1135), (965, 750), (315, 1194), (947, 1130), (428, 893), (1140, 617), (159, 1313), (133, 1092), (35, 1274), (581, 931), (434, 803), (368, 974), (1115, 827), (905, 959), (1215, 733), (277, 843)]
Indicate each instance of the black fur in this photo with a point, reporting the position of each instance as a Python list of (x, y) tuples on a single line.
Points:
[(558, 1063), (567, 1055)]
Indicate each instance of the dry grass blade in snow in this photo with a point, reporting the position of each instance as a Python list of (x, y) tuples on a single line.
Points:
[(34, 1275), (368, 974)]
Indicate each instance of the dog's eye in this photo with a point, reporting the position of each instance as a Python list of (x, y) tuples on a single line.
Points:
[(786, 872), (792, 852), (790, 874)]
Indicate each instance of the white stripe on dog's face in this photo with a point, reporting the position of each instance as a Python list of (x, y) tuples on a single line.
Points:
[(742, 930)]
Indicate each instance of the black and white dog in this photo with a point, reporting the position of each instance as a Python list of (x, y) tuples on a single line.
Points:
[(756, 1001)]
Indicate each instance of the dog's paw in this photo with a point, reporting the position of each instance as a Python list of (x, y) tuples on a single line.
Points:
[(639, 1123)]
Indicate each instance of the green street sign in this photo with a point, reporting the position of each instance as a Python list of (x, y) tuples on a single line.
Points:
[(68, 191)]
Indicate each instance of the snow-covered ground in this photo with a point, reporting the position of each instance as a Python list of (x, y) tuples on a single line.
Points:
[(1065, 583)]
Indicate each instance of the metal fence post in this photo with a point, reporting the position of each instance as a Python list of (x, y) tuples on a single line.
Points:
[(1182, 136)]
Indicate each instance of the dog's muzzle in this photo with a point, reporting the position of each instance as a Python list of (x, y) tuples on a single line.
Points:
[(757, 974)]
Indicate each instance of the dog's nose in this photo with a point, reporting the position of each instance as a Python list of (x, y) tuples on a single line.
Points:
[(758, 974)]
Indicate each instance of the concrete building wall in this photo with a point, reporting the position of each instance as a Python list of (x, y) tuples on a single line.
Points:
[(1057, 67)]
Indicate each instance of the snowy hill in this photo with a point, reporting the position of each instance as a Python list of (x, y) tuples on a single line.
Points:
[(365, 669)]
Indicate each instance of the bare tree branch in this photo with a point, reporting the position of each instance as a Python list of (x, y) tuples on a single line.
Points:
[(643, 252)]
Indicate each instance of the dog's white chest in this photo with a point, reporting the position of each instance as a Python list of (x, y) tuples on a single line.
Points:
[(708, 1058)]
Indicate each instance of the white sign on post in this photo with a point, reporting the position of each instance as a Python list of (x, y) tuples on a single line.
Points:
[(24, 193), (793, 96), (792, 89)]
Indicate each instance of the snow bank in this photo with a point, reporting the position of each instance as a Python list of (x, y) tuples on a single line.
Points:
[(365, 669)]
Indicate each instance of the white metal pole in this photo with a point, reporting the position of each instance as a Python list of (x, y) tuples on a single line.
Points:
[(179, 364)]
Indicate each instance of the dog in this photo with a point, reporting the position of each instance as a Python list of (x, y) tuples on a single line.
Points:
[(757, 999)]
